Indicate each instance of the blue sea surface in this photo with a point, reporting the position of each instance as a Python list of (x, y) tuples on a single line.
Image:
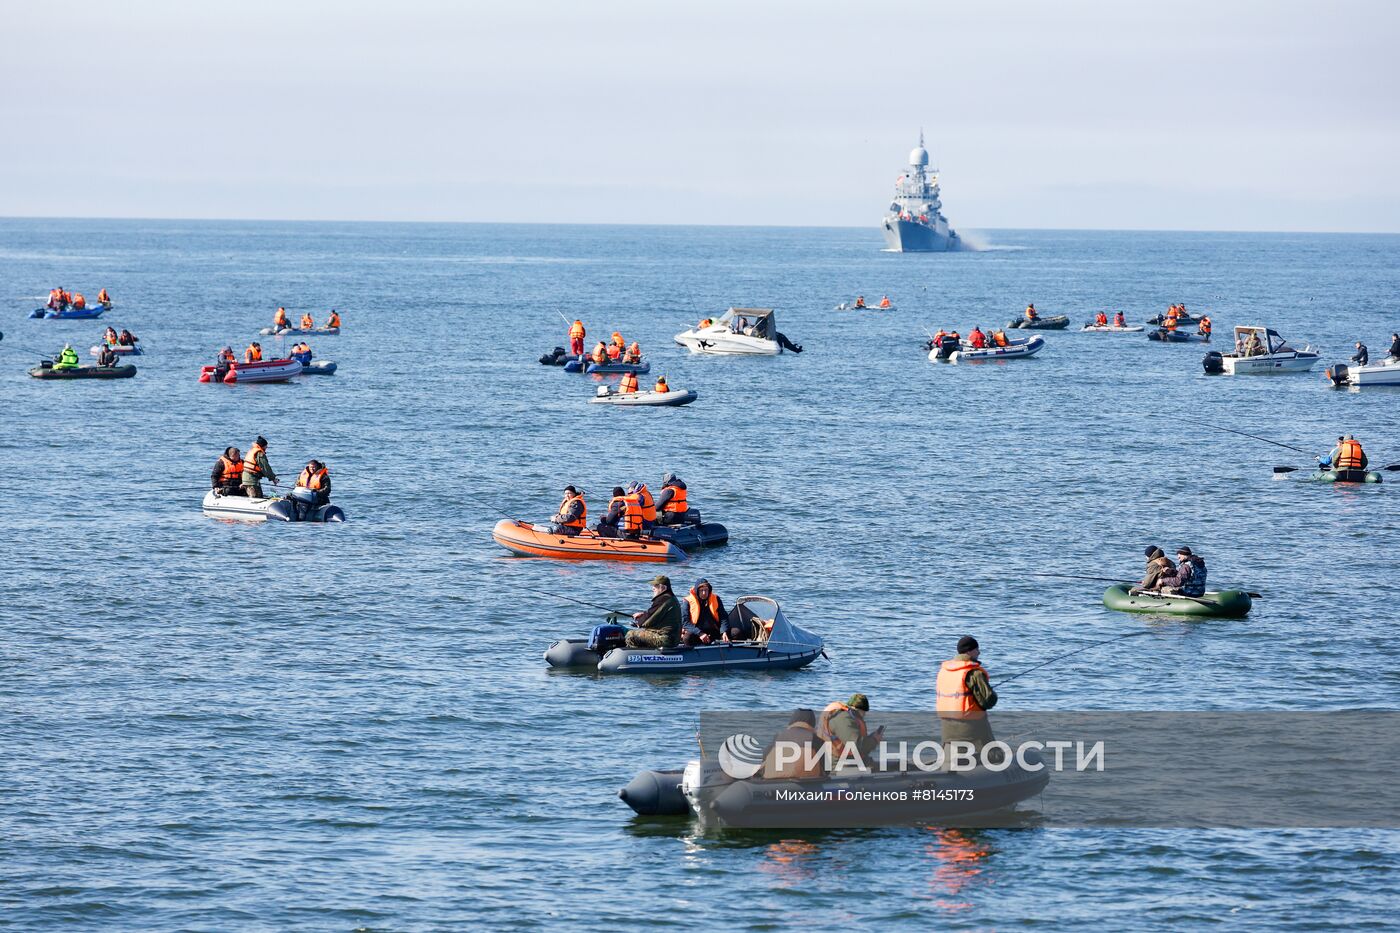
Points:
[(210, 725)]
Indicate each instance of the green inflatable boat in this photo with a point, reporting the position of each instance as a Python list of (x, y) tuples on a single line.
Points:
[(1345, 476), (1224, 604)]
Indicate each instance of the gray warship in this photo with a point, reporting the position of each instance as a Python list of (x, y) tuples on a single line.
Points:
[(915, 221)]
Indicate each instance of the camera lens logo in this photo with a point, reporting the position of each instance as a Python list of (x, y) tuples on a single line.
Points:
[(740, 756)]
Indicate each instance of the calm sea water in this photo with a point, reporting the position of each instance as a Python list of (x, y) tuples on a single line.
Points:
[(219, 726)]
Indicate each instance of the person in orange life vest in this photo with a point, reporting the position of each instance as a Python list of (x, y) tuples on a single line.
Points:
[(576, 335), (628, 383), (1101, 320), (312, 490), (860, 301), (661, 385), (634, 353), (1119, 320), (964, 696), (334, 320), (1348, 455), (977, 340), (614, 352), (645, 501), (999, 338), (704, 620), (227, 477), (79, 302), (1170, 323), (801, 732), (573, 514), (1203, 326), (672, 501), (704, 323), (600, 353), (279, 320), (103, 298), (885, 301), (255, 468), (253, 354), (109, 337), (617, 339), (609, 524), (307, 322), (1031, 314), (843, 724)]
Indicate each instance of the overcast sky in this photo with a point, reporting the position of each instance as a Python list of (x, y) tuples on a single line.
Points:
[(1151, 115)]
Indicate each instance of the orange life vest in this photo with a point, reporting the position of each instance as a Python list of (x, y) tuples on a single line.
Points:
[(884, 302), (582, 521), (648, 504), (1205, 325), (252, 355), (629, 383), (312, 481), (79, 301), (250, 462), (1119, 320), (704, 324), (600, 353), (307, 322), (1031, 314), (712, 603), (233, 470), (1348, 456), (280, 318), (1170, 323), (977, 339), (631, 512), (676, 503), (661, 385), (576, 331), (1101, 319), (824, 727), (955, 701), (334, 320), (617, 339), (227, 356), (614, 351), (103, 297)]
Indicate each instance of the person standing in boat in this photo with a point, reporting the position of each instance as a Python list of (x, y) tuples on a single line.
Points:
[(576, 335), (628, 383), (572, 517), (964, 695), (227, 476), (255, 467), (1362, 356), (659, 625), (1203, 326)]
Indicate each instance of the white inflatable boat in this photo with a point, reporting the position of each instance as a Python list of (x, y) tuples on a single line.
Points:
[(609, 395), (277, 508)]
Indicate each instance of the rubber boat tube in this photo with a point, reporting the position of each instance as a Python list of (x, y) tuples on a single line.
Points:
[(1225, 604), (277, 508), (119, 350), (263, 371), (530, 540), (1345, 476), (608, 395), (121, 371), (1054, 322), (656, 793), (1015, 349), (603, 369), (298, 332), (693, 535), (1112, 329), (319, 368), (86, 314), (1177, 336)]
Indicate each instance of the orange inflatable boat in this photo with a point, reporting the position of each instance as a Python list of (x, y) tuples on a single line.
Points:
[(535, 541)]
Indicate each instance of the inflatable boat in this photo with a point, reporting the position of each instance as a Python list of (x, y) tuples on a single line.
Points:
[(693, 534), (1014, 349), (68, 314), (1225, 604), (1053, 322), (263, 371), (119, 350), (777, 645), (852, 306), (1345, 476), (604, 369), (277, 509), (318, 368), (609, 395), (45, 370), (529, 540), (298, 332), (1112, 329), (1162, 335)]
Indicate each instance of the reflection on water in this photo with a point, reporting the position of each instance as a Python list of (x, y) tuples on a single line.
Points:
[(957, 870)]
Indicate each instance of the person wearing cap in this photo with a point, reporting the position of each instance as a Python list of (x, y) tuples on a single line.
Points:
[(964, 696), (1189, 578), (255, 467), (1158, 566), (671, 501), (704, 622), (1348, 455), (610, 525), (843, 725), (659, 625), (573, 514), (801, 732)]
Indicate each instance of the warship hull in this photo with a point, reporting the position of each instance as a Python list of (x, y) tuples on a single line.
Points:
[(904, 236)]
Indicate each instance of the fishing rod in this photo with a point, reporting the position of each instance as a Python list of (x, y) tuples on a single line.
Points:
[(1068, 654), (616, 612), (1258, 438)]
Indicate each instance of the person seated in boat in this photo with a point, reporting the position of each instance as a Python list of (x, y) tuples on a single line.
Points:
[(704, 323), (738, 324), (843, 724), (312, 489), (279, 320), (1203, 326), (1348, 455), (127, 339), (109, 337), (67, 358), (254, 353), (226, 479), (646, 503), (1252, 345), (634, 353), (661, 385), (1394, 352), (572, 516), (600, 353), (628, 384), (671, 502), (1362, 356), (860, 301), (255, 468), (704, 620), (977, 340), (307, 321), (1031, 313), (799, 736), (333, 322), (301, 352), (106, 356), (79, 302), (1159, 565), (610, 525), (614, 352), (104, 299), (576, 334), (1119, 320), (1170, 322), (659, 625), (223, 361), (65, 298), (52, 303), (885, 301), (1101, 319), (1189, 578), (999, 338)]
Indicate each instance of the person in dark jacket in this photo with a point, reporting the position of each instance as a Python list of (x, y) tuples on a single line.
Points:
[(610, 523), (800, 736), (671, 487), (1394, 347), (704, 619), (1189, 578), (659, 625), (1158, 565), (105, 356), (1361, 357), (227, 476)]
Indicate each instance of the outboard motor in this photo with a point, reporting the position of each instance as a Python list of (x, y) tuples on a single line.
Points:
[(1213, 363), (656, 793), (788, 344), (605, 638), (947, 346), (1338, 374), (555, 358)]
